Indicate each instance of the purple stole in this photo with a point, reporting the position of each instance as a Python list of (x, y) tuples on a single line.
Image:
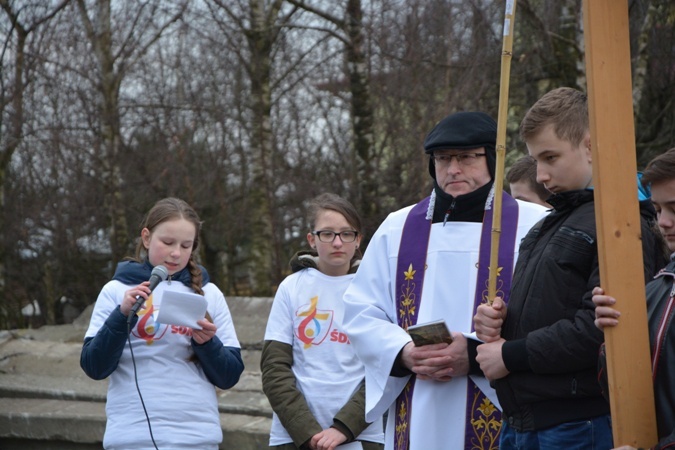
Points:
[(483, 419)]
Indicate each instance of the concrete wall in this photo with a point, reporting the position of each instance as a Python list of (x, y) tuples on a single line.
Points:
[(48, 403)]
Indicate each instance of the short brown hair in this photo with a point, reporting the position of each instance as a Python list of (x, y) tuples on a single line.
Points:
[(565, 108), (525, 169), (661, 168)]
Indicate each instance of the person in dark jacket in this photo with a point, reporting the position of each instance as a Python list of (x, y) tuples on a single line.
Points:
[(542, 355), (660, 174)]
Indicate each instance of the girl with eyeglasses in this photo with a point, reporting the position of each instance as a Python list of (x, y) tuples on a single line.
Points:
[(310, 374)]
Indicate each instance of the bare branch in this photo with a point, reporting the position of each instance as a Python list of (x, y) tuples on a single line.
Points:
[(323, 14), (143, 50)]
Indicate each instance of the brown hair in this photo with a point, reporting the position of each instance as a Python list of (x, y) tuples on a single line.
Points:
[(565, 108), (333, 202), (172, 209), (661, 168), (525, 169)]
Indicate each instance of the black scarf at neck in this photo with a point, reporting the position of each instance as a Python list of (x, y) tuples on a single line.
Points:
[(463, 208)]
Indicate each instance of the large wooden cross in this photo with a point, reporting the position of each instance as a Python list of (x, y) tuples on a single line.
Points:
[(618, 223)]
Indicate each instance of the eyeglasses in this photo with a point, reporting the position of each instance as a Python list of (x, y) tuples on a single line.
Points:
[(463, 159), (329, 236)]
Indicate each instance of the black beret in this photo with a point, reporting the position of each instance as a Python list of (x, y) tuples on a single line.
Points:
[(463, 131)]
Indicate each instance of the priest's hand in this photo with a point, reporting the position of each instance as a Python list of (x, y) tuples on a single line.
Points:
[(439, 362), (490, 359), (489, 319)]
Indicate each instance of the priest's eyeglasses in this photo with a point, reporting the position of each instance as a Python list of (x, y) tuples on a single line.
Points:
[(463, 159), (329, 236)]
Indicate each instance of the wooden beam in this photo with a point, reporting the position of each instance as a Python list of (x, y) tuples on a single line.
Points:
[(610, 97)]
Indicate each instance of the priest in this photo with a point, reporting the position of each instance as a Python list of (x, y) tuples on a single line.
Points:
[(430, 262)]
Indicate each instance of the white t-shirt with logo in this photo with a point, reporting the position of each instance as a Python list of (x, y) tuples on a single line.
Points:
[(307, 314), (180, 400)]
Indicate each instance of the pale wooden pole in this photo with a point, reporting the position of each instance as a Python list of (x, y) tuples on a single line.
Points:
[(618, 222), (502, 117)]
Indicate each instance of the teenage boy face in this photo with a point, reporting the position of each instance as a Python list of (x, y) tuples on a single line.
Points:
[(561, 165), (663, 198)]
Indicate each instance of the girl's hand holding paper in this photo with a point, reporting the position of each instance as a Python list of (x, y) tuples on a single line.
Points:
[(207, 331)]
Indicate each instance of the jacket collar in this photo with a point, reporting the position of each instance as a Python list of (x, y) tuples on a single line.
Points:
[(134, 272), (570, 199), (669, 270), (310, 259), (463, 208)]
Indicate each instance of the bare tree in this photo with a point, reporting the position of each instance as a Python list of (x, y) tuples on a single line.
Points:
[(115, 52), (247, 109), (16, 67), (257, 25), (653, 76), (428, 59), (348, 29)]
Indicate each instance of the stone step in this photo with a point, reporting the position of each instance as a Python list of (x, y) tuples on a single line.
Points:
[(48, 403), (62, 423), (35, 369), (52, 420), (237, 400)]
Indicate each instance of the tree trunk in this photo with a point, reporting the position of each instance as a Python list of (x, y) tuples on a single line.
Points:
[(100, 36), (363, 185), (642, 58), (13, 139), (266, 247), (363, 180)]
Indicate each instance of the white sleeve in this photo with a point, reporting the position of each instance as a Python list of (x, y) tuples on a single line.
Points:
[(280, 321), (110, 296), (370, 318), (220, 313)]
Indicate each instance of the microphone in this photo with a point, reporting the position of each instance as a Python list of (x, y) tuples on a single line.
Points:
[(159, 274)]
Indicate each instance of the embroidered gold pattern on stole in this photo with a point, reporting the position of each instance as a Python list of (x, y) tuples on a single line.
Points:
[(407, 311), (408, 298), (499, 291), (485, 420), (403, 419), (486, 424)]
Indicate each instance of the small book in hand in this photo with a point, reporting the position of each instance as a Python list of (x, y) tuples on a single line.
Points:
[(428, 333)]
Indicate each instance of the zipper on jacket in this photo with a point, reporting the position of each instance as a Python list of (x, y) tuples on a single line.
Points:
[(577, 233), (574, 386)]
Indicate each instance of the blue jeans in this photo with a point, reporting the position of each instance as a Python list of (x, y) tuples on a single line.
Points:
[(593, 434)]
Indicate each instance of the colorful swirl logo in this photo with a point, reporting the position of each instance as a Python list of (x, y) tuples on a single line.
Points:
[(314, 326)]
